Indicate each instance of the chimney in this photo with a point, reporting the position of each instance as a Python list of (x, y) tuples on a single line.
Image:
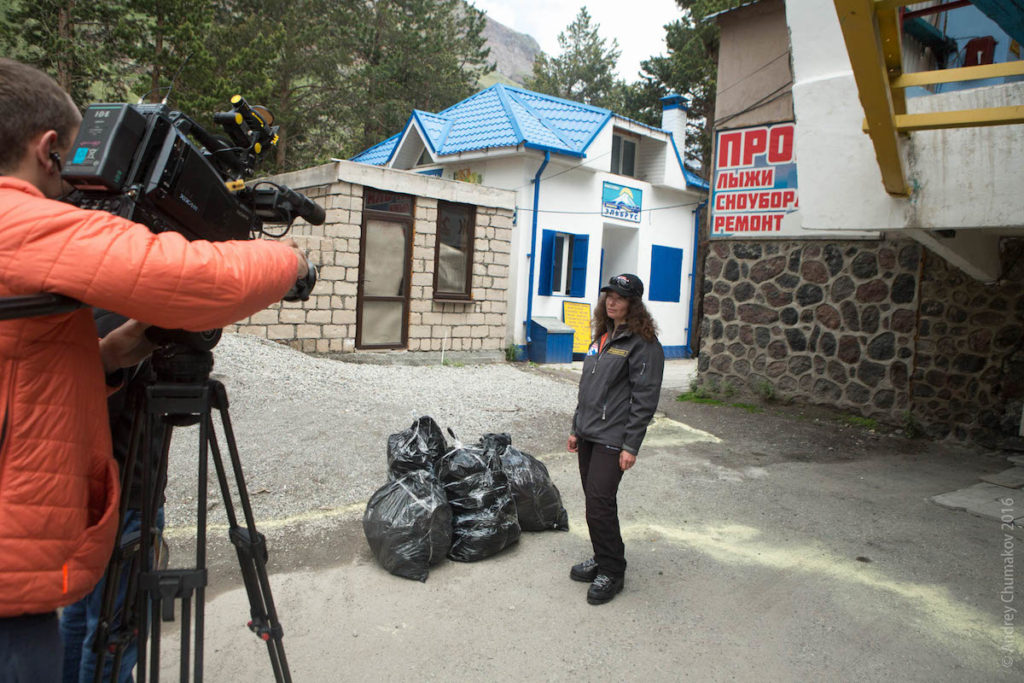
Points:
[(673, 118)]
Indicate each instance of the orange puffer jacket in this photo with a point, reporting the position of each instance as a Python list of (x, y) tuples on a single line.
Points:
[(58, 480)]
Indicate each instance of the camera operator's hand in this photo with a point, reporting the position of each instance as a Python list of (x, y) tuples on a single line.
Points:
[(125, 346), (303, 264)]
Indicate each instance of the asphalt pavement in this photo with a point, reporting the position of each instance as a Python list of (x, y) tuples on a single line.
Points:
[(771, 543)]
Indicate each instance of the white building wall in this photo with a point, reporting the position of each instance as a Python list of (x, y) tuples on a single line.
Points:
[(570, 202), (960, 179)]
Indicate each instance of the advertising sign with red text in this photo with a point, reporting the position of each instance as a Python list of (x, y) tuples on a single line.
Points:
[(754, 193)]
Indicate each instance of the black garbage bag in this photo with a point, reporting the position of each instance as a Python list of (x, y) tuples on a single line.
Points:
[(538, 502), (417, 448), (484, 520), (408, 524)]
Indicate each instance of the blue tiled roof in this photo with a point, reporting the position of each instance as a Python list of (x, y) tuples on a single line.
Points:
[(379, 154), (503, 116), (695, 180)]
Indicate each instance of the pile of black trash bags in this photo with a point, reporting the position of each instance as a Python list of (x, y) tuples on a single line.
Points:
[(462, 502)]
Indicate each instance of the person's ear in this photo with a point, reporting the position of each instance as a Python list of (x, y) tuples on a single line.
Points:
[(43, 149)]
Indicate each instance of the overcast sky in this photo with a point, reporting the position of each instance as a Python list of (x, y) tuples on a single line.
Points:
[(638, 26)]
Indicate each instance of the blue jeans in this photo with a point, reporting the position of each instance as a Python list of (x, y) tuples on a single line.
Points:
[(78, 622), (29, 649)]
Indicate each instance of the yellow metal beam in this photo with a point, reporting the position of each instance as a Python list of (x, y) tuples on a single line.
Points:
[(870, 71), (966, 73), (887, 5), (892, 47), (963, 118)]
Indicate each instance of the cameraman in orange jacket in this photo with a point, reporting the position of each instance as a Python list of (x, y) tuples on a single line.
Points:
[(58, 481)]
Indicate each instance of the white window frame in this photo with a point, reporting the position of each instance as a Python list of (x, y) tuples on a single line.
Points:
[(619, 140), (562, 272)]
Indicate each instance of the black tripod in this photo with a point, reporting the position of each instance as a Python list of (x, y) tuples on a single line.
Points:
[(182, 395)]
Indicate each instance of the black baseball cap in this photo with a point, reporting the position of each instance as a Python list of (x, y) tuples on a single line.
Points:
[(626, 284)]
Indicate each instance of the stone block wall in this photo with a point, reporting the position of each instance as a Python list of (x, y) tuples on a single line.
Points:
[(326, 323), (880, 328), (969, 376), (832, 323), (476, 325)]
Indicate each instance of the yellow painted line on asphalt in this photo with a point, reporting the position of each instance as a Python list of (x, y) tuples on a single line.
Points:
[(351, 511), (736, 543), (664, 432)]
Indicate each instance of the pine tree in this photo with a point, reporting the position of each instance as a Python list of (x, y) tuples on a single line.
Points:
[(412, 54), (84, 46), (289, 56), (585, 70), (690, 68)]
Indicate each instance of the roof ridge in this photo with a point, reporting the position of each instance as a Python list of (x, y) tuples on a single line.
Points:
[(555, 98), (472, 97), (546, 123), (503, 97), (424, 132)]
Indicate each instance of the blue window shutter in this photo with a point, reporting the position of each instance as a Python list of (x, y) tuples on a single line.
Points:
[(547, 242), (666, 273), (579, 265)]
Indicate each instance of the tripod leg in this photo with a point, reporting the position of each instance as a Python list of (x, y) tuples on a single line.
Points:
[(114, 627), (250, 545)]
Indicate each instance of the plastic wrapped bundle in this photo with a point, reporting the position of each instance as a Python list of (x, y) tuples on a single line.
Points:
[(408, 524), (417, 448), (484, 520), (538, 502)]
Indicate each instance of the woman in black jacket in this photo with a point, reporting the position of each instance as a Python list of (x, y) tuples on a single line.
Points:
[(619, 391)]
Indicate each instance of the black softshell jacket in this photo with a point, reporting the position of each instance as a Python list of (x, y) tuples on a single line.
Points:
[(619, 391)]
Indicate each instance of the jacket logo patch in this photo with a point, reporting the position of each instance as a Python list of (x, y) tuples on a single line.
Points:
[(618, 352)]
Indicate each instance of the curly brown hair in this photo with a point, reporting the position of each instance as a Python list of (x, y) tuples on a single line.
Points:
[(638, 319)]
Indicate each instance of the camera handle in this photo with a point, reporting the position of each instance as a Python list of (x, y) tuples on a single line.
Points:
[(35, 305), (162, 406)]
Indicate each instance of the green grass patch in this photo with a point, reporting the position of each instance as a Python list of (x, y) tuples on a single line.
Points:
[(704, 399), (699, 397), (859, 421)]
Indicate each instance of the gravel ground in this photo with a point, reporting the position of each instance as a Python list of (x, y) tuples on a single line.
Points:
[(312, 432)]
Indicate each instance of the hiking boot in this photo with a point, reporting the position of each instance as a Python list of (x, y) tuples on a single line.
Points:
[(585, 571), (604, 589)]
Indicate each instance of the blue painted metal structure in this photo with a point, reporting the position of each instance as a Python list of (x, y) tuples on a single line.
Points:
[(533, 244), (1009, 14)]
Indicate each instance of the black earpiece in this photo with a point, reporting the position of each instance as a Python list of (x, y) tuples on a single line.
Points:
[(55, 158)]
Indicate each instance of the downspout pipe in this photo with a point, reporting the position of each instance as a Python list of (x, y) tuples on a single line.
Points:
[(533, 246), (688, 349)]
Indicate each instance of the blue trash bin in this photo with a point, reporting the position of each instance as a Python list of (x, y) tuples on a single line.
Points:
[(550, 341)]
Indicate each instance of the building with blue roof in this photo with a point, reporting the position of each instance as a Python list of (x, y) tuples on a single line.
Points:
[(597, 194)]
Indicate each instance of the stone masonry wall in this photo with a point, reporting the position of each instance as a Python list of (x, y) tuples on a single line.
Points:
[(327, 321), (969, 376), (881, 328), (831, 323)]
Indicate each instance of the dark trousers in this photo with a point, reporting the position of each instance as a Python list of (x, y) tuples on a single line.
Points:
[(600, 475), (30, 649)]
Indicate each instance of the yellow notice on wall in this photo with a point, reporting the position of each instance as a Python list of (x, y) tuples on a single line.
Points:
[(577, 316)]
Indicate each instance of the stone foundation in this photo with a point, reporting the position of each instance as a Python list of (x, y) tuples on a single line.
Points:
[(879, 328)]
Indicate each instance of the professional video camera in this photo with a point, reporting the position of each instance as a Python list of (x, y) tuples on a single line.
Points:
[(138, 161), (160, 168)]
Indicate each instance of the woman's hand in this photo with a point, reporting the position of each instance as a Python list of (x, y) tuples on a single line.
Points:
[(626, 460), (572, 443)]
